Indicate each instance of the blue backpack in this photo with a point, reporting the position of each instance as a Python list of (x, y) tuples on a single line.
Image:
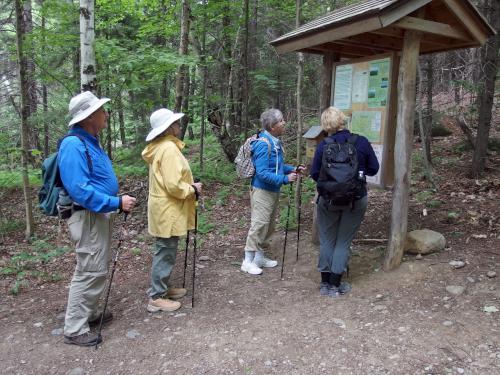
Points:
[(48, 195)]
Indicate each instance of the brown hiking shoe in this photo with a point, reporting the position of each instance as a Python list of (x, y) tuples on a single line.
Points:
[(86, 339), (163, 304), (176, 293), (95, 320)]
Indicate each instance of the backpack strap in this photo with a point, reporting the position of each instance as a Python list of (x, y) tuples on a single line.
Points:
[(259, 138), (352, 139), (87, 153)]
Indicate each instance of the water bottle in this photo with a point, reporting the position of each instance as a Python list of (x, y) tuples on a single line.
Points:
[(361, 176)]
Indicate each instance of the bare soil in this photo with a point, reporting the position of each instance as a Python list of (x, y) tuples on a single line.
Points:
[(398, 322)]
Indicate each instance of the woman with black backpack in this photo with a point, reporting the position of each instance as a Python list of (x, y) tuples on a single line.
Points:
[(341, 162)]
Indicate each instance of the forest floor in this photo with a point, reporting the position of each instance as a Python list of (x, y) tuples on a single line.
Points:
[(399, 322)]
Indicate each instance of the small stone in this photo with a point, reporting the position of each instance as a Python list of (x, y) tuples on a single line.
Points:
[(402, 329), (61, 316), (448, 323), (379, 307), (76, 371), (379, 296), (200, 266), (282, 293), (339, 322), (460, 370), (457, 264), (132, 334), (38, 325), (424, 241), (419, 257), (470, 280), (179, 315), (455, 289), (204, 258), (491, 274), (268, 363), (57, 332)]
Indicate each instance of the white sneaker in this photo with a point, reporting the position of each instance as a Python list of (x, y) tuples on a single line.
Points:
[(266, 263), (251, 268)]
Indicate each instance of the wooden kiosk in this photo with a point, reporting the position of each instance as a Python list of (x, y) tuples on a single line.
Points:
[(370, 56)]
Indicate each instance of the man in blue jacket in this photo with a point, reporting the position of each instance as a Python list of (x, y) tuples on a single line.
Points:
[(89, 179), (270, 173)]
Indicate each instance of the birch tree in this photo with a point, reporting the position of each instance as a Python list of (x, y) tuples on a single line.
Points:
[(88, 80)]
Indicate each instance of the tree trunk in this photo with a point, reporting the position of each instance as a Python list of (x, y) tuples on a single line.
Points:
[(45, 103), (185, 103), (403, 149), (490, 64), (180, 80), (88, 80), (422, 129), (427, 137), (121, 118), (25, 113), (244, 59), (204, 70), (300, 73)]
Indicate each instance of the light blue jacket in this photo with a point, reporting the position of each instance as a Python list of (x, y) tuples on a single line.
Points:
[(270, 170), (95, 190)]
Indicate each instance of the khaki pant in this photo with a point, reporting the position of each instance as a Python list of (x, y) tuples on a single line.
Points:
[(91, 235), (264, 206)]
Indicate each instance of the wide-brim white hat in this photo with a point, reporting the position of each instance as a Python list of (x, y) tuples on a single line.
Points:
[(160, 121), (83, 105)]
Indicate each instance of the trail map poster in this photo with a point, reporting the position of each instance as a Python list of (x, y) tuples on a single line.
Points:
[(367, 123), (378, 83), (378, 149)]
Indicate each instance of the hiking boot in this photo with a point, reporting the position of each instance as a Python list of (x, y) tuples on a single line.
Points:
[(163, 304), (266, 263), (86, 339), (175, 293), (324, 288), (344, 287), (251, 268), (333, 291), (96, 320)]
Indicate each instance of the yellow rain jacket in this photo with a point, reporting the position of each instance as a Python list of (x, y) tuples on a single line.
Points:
[(171, 201)]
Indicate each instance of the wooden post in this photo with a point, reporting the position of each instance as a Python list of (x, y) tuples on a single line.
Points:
[(403, 148), (326, 80)]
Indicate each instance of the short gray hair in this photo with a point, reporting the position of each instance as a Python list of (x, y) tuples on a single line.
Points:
[(270, 117)]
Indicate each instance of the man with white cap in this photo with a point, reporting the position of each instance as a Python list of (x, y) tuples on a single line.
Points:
[(89, 180), (171, 204)]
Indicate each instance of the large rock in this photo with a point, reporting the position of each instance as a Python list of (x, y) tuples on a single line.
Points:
[(424, 241)]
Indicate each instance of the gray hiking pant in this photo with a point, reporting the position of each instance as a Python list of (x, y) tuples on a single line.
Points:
[(164, 254), (91, 235), (337, 226)]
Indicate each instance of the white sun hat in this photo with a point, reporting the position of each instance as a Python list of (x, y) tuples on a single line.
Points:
[(83, 105), (160, 121)]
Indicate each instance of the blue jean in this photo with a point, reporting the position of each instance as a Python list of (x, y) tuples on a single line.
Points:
[(164, 254), (337, 226)]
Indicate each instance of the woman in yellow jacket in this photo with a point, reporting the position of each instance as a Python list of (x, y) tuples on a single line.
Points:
[(171, 204)]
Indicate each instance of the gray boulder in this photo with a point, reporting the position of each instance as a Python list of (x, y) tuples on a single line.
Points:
[(424, 241)]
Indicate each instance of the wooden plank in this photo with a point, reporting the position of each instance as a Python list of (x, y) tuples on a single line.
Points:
[(329, 35), (403, 149), (402, 10), (376, 41), (442, 29), (457, 8), (326, 80)]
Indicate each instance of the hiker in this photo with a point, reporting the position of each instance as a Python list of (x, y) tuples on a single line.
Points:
[(270, 173), (171, 204), (88, 178), (339, 220)]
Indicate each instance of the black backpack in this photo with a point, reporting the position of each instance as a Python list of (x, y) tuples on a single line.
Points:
[(48, 195), (339, 181)]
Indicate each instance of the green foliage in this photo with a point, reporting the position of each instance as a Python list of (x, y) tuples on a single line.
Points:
[(204, 224), (424, 196), (136, 251), (13, 179), (24, 264), (9, 226)]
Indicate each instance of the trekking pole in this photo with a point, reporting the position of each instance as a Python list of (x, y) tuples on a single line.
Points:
[(286, 228), (185, 260), (299, 197), (195, 240), (120, 240)]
